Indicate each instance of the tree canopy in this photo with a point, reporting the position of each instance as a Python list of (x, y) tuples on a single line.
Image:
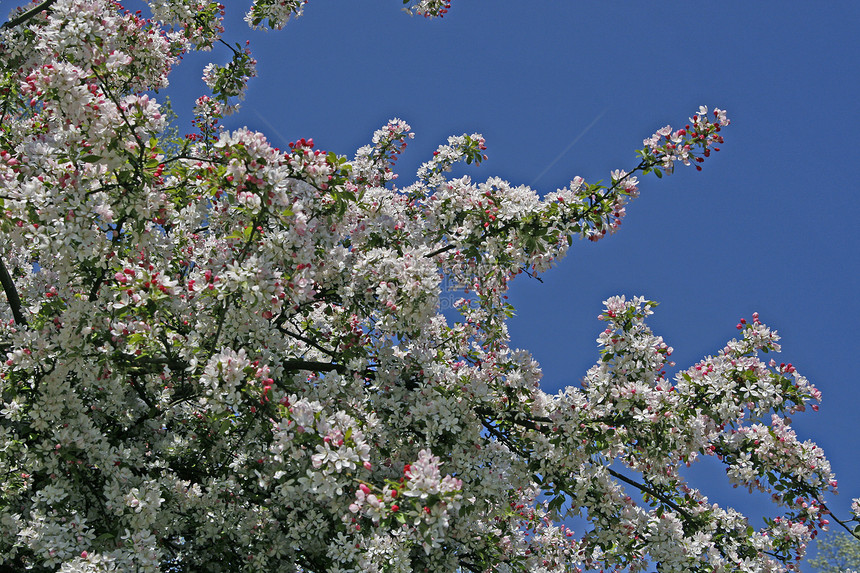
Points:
[(223, 356), (836, 552)]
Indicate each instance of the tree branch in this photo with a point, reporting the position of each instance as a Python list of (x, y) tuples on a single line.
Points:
[(11, 295), (607, 194), (305, 339), (29, 14), (842, 523), (529, 424), (313, 366), (653, 493)]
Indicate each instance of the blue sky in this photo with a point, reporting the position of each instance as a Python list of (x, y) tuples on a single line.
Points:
[(767, 226)]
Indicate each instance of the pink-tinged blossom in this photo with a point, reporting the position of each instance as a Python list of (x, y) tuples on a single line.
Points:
[(427, 8)]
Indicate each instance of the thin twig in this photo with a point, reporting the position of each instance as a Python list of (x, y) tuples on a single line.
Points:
[(842, 523), (652, 492)]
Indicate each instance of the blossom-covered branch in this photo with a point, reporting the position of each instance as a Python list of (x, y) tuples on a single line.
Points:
[(222, 356)]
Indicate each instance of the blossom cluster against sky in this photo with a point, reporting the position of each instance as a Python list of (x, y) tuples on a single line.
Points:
[(566, 89)]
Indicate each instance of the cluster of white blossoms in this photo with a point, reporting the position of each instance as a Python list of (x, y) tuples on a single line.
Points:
[(221, 356), (427, 8), (276, 13)]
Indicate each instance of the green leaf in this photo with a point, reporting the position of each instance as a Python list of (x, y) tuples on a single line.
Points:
[(556, 503)]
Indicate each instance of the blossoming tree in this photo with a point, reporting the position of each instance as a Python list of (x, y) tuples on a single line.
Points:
[(220, 356), (836, 552)]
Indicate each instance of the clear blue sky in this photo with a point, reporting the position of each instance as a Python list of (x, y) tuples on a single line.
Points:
[(768, 226)]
